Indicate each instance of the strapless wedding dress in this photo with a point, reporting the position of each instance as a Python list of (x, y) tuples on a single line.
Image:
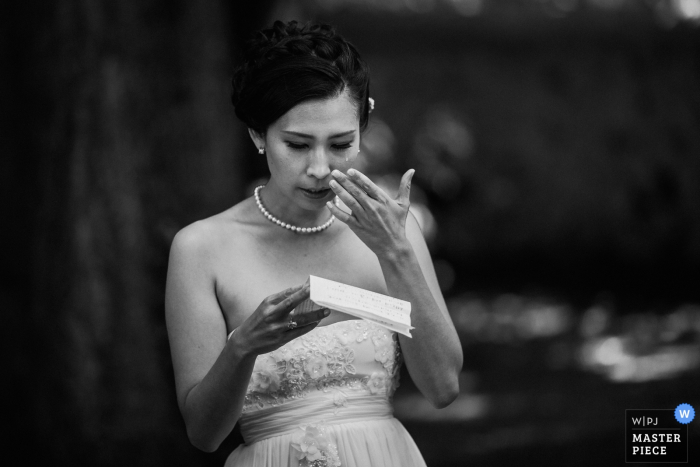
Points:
[(324, 400)]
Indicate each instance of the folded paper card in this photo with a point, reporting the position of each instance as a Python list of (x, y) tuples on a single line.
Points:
[(390, 312)]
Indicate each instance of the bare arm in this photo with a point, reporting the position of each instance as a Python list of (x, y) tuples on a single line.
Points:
[(211, 373), (434, 354)]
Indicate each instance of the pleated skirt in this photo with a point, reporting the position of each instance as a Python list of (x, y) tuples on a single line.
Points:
[(382, 442)]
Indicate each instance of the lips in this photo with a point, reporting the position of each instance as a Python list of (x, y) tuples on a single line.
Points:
[(316, 193)]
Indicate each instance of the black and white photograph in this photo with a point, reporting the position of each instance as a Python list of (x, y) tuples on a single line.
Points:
[(350, 233)]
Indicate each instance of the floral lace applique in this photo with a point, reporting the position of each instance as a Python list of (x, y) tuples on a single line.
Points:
[(313, 448), (322, 360), (377, 382), (384, 350), (387, 352), (265, 377), (340, 400)]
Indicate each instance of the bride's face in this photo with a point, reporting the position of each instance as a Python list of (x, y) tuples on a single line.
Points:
[(307, 143)]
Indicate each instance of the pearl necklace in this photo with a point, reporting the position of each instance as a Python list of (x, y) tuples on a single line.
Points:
[(293, 228)]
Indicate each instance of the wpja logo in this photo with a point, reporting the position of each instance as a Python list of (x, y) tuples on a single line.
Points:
[(657, 435)]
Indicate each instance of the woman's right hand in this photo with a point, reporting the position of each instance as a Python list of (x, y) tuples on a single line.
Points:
[(268, 328)]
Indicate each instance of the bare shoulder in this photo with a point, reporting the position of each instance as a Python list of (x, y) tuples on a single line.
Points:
[(195, 238), (204, 238)]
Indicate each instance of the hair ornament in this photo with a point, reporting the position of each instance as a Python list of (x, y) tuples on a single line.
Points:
[(371, 104)]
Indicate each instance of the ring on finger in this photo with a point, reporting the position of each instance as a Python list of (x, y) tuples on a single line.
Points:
[(291, 325)]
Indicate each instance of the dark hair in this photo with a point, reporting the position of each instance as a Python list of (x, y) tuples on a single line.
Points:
[(288, 64)]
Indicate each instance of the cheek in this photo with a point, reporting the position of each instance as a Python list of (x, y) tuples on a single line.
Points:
[(342, 163), (287, 166), (351, 157), (357, 161), (280, 159)]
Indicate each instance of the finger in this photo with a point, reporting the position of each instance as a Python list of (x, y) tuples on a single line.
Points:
[(403, 198), (284, 307), (311, 317), (352, 188), (304, 319), (367, 185), (346, 197), (339, 213), (292, 334), (274, 299)]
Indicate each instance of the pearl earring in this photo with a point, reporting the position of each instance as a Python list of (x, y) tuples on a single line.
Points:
[(261, 151)]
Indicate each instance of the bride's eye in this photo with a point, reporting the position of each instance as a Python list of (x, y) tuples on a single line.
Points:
[(296, 145), (342, 146)]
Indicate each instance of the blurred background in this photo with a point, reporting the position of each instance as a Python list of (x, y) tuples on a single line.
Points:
[(556, 145)]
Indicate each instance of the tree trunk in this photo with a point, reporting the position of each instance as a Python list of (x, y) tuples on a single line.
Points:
[(134, 138)]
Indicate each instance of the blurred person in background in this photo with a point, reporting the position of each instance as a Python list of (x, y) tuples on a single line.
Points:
[(311, 388)]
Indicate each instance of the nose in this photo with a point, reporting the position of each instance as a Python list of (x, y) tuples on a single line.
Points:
[(319, 166)]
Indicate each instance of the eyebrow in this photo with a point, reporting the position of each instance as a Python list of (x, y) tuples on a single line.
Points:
[(304, 135)]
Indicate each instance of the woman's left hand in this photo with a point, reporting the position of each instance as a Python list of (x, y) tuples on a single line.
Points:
[(378, 220)]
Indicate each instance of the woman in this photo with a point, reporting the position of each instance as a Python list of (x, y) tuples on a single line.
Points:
[(309, 388)]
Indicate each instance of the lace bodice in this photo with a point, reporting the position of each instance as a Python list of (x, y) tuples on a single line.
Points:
[(348, 356)]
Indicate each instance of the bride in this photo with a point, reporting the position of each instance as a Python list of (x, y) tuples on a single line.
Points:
[(308, 388)]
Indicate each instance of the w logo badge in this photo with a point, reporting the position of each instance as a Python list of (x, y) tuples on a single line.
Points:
[(684, 413)]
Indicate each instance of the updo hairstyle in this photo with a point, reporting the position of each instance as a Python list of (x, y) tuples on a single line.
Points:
[(288, 64)]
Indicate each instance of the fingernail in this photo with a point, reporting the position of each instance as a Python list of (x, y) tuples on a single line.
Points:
[(329, 205), (352, 172), (333, 184), (336, 173), (326, 312)]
